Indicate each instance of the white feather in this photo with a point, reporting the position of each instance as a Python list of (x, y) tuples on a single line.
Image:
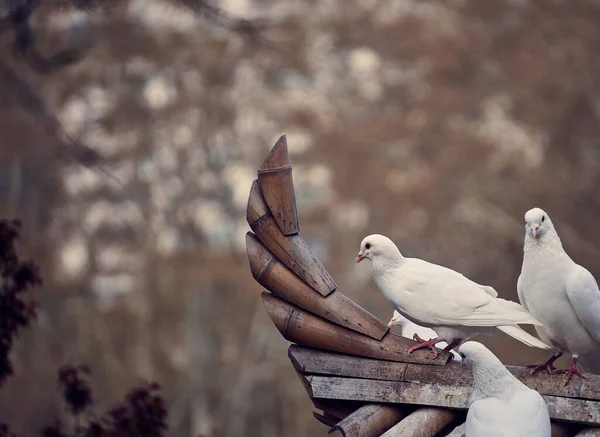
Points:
[(500, 405), (439, 298), (563, 295)]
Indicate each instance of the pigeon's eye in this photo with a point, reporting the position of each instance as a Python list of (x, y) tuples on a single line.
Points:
[(368, 246), (543, 217)]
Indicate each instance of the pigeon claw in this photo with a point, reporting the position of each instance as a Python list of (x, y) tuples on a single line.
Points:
[(535, 368), (429, 344), (548, 365), (571, 371)]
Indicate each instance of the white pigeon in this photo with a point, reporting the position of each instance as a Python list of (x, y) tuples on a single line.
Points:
[(500, 405), (563, 295), (439, 298), (415, 332)]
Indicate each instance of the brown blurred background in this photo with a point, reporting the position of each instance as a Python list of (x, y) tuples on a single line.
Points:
[(437, 123)]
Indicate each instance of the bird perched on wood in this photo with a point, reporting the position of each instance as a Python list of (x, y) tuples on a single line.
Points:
[(501, 405), (442, 299), (416, 332), (560, 293)]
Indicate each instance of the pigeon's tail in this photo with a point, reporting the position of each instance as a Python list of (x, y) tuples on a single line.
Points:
[(523, 336)]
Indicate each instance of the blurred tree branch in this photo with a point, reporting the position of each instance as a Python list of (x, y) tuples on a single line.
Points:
[(16, 17)]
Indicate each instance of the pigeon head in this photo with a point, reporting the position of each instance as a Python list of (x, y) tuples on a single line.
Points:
[(473, 352), (375, 247), (537, 222)]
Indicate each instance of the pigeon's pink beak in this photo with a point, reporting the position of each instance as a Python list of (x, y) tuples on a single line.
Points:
[(392, 322), (360, 257), (534, 230)]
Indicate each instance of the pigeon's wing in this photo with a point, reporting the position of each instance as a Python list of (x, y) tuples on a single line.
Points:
[(582, 291), (453, 274), (487, 418), (520, 293), (524, 414), (529, 414), (489, 290), (448, 299)]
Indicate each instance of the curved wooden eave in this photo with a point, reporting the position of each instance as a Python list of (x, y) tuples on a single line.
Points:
[(348, 361)]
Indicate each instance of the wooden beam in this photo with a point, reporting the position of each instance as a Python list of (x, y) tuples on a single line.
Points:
[(436, 395), (424, 422), (369, 421), (304, 328), (291, 250), (277, 186), (272, 274), (312, 361)]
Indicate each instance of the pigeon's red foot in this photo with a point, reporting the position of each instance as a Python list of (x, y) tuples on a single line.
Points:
[(548, 365), (571, 371), (429, 344), (535, 368)]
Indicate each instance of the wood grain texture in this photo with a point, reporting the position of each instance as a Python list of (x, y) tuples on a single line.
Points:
[(277, 186), (306, 329), (424, 422), (291, 250), (311, 361), (436, 395), (369, 421), (272, 274)]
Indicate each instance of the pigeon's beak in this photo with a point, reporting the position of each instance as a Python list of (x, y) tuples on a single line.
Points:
[(360, 257), (534, 230), (392, 322)]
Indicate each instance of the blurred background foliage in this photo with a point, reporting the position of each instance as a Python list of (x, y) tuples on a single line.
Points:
[(132, 129)]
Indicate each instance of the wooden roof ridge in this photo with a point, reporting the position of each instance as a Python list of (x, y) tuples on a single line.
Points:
[(355, 371)]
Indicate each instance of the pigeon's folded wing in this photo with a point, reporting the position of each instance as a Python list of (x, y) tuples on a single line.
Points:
[(487, 418), (489, 290), (520, 293), (582, 291), (451, 299), (529, 414), (449, 275)]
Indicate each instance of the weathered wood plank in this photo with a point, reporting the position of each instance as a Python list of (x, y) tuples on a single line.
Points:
[(304, 328), (291, 250), (454, 374), (424, 422), (369, 421), (436, 395), (272, 274), (277, 187)]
